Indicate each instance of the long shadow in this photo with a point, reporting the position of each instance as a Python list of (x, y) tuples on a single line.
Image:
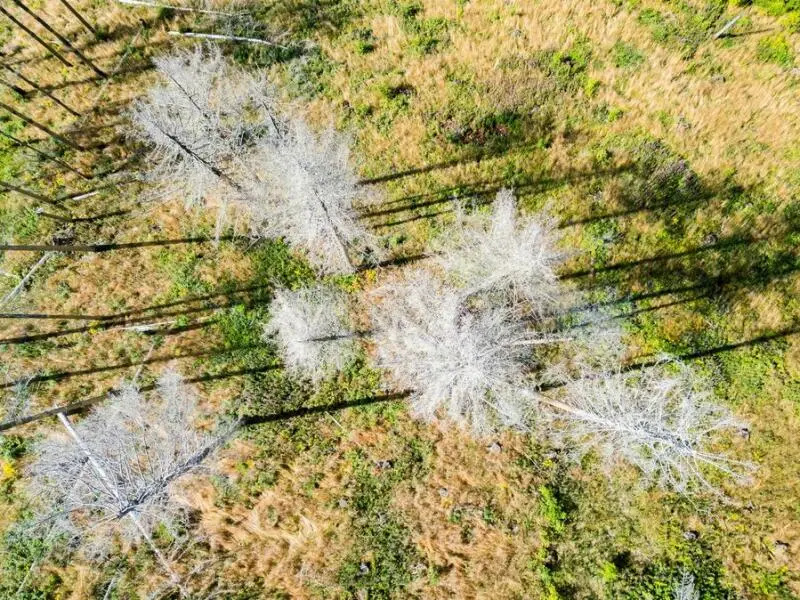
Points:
[(103, 325), (748, 33), (393, 262), (635, 312), (134, 69), (60, 376), (635, 210), (631, 264), (100, 248), (81, 405), (730, 347), (489, 187), (87, 129), (305, 411), (100, 217), (472, 157), (123, 315)]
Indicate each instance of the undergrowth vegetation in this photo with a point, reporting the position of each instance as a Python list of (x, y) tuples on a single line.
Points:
[(668, 160)]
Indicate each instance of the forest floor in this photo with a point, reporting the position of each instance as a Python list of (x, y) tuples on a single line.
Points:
[(671, 160)]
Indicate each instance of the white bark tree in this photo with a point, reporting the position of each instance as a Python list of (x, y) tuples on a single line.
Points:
[(215, 135), (311, 327), (199, 123), (114, 470), (471, 366), (660, 419), (503, 255), (305, 191)]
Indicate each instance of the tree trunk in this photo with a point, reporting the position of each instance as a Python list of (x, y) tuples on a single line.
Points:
[(41, 127), (41, 90), (79, 17), (61, 38), (176, 8), (31, 33), (226, 38)]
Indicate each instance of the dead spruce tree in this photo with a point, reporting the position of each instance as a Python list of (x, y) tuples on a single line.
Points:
[(471, 365), (312, 330), (215, 134), (504, 255), (198, 123), (660, 419), (305, 192), (114, 471)]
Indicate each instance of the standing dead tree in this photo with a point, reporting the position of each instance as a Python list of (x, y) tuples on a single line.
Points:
[(198, 123), (215, 133), (685, 590), (312, 330), (503, 255), (470, 365), (114, 471), (305, 192)]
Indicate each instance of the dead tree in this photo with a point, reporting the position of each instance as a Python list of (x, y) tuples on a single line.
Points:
[(61, 38), (210, 125), (114, 472), (504, 255), (198, 123), (33, 34), (470, 366), (305, 192), (661, 420), (312, 330)]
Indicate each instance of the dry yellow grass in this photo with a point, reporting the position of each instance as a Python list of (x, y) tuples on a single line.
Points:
[(296, 541)]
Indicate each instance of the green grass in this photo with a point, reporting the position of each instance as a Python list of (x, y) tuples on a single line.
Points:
[(626, 56), (383, 559), (776, 49), (683, 25)]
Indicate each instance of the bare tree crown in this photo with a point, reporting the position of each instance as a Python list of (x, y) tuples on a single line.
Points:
[(467, 365), (311, 328), (309, 190), (660, 419), (130, 453), (504, 254), (199, 122)]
